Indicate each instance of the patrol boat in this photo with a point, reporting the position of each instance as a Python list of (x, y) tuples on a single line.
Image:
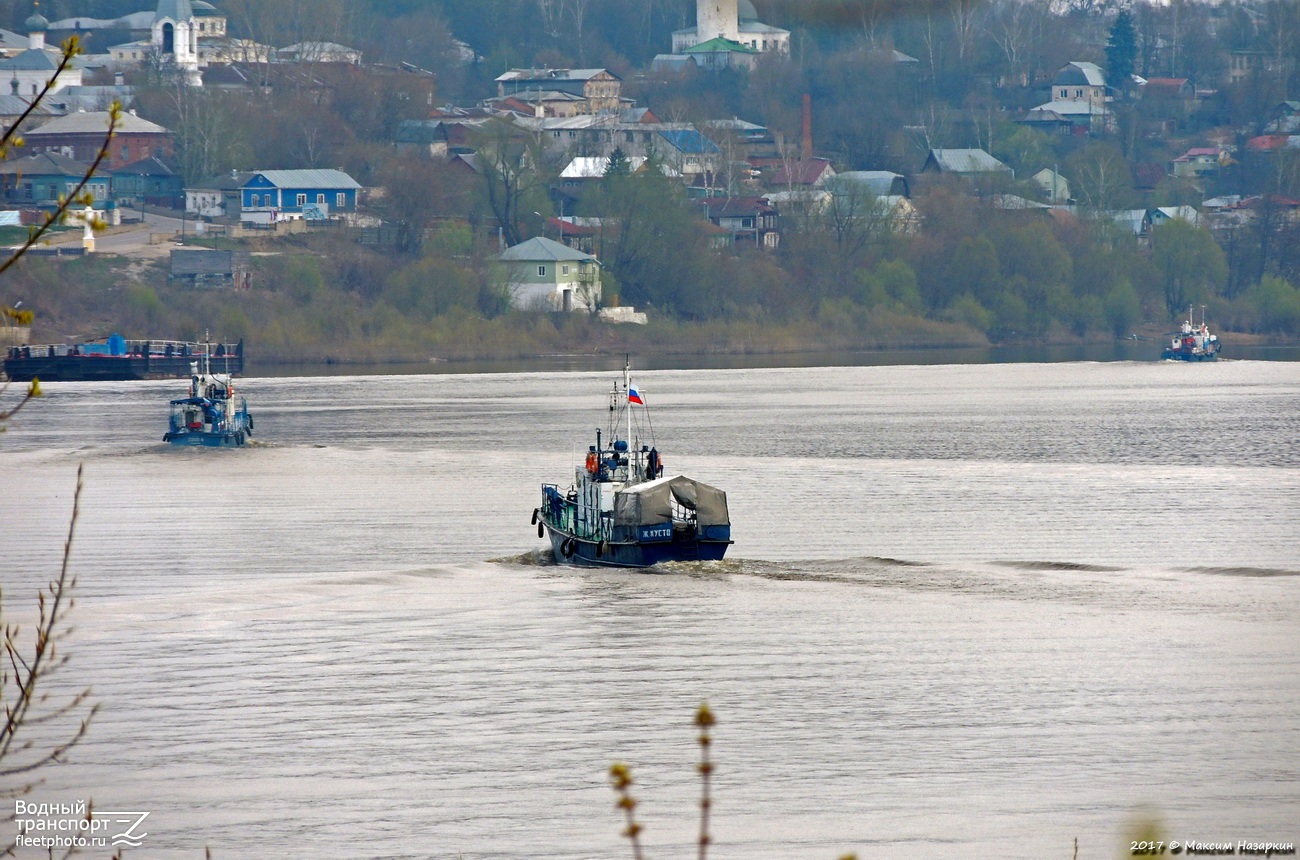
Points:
[(621, 510), (1193, 343), (211, 415)]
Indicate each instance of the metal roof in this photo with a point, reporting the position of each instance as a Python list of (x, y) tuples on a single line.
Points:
[(177, 10), (322, 178), (30, 61), (45, 164), (96, 122), (541, 248), (1073, 74), (689, 141), (966, 161)]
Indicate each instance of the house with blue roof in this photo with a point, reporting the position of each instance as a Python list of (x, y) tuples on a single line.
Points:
[(267, 196), (687, 151)]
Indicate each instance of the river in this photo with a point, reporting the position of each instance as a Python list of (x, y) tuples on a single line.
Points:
[(971, 611)]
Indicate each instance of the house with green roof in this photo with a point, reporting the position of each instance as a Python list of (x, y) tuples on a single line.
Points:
[(720, 53), (544, 275)]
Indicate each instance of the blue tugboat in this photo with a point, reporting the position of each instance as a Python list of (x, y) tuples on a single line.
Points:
[(621, 511), (1193, 343), (211, 415)]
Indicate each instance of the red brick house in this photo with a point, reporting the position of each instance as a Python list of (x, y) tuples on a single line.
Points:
[(80, 135)]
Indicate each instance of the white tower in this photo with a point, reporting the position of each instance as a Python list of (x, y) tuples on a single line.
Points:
[(176, 35), (714, 18)]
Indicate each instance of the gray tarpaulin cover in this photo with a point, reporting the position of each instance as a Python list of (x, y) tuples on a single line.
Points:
[(652, 502)]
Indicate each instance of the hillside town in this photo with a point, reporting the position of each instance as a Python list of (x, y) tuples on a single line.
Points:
[(1010, 169)]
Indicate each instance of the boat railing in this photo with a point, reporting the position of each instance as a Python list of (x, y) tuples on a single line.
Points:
[(561, 512)]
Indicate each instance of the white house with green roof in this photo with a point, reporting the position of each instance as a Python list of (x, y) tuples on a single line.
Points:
[(544, 275)]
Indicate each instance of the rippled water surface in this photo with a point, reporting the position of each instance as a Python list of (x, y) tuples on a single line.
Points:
[(972, 611)]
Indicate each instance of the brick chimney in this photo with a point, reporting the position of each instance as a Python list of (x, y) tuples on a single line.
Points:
[(807, 150)]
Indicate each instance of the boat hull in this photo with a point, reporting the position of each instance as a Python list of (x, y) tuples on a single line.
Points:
[(207, 440), (1179, 355), (570, 549)]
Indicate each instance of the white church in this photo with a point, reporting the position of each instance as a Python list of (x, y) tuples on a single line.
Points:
[(732, 20)]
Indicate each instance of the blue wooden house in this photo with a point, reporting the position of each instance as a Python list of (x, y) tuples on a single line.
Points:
[(273, 194), (41, 179)]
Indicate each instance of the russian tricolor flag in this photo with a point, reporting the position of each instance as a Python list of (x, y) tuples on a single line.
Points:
[(634, 396)]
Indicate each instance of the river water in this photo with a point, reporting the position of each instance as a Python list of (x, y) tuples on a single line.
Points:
[(971, 611)]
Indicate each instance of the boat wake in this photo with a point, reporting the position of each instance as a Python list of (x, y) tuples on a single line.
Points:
[(1243, 571), (1057, 565)]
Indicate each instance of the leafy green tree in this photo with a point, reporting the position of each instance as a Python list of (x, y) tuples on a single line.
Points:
[(1277, 305), (974, 269), (1122, 308), (1191, 266)]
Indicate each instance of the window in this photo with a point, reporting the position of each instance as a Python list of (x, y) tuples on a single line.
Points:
[(541, 271), (1064, 92), (302, 199), (340, 200), (564, 270), (1078, 94), (320, 198)]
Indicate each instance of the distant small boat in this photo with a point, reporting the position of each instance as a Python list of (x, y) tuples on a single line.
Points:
[(620, 510), (1192, 343), (211, 416)]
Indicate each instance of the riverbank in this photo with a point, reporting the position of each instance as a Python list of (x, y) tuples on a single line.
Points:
[(301, 315)]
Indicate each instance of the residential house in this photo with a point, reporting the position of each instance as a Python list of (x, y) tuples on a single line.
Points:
[(216, 197), (211, 269), (1079, 81), (544, 275), (966, 163), (686, 151), (1167, 103), (878, 183), (42, 179), (439, 138), (599, 90), (805, 173), (1246, 64), (274, 195), (1050, 122), (1165, 214), (1079, 95), (153, 180), (1287, 119), (1055, 186), (876, 199), (578, 233), (750, 221), (1199, 161), (667, 66), (585, 169), (744, 140), (80, 135)]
